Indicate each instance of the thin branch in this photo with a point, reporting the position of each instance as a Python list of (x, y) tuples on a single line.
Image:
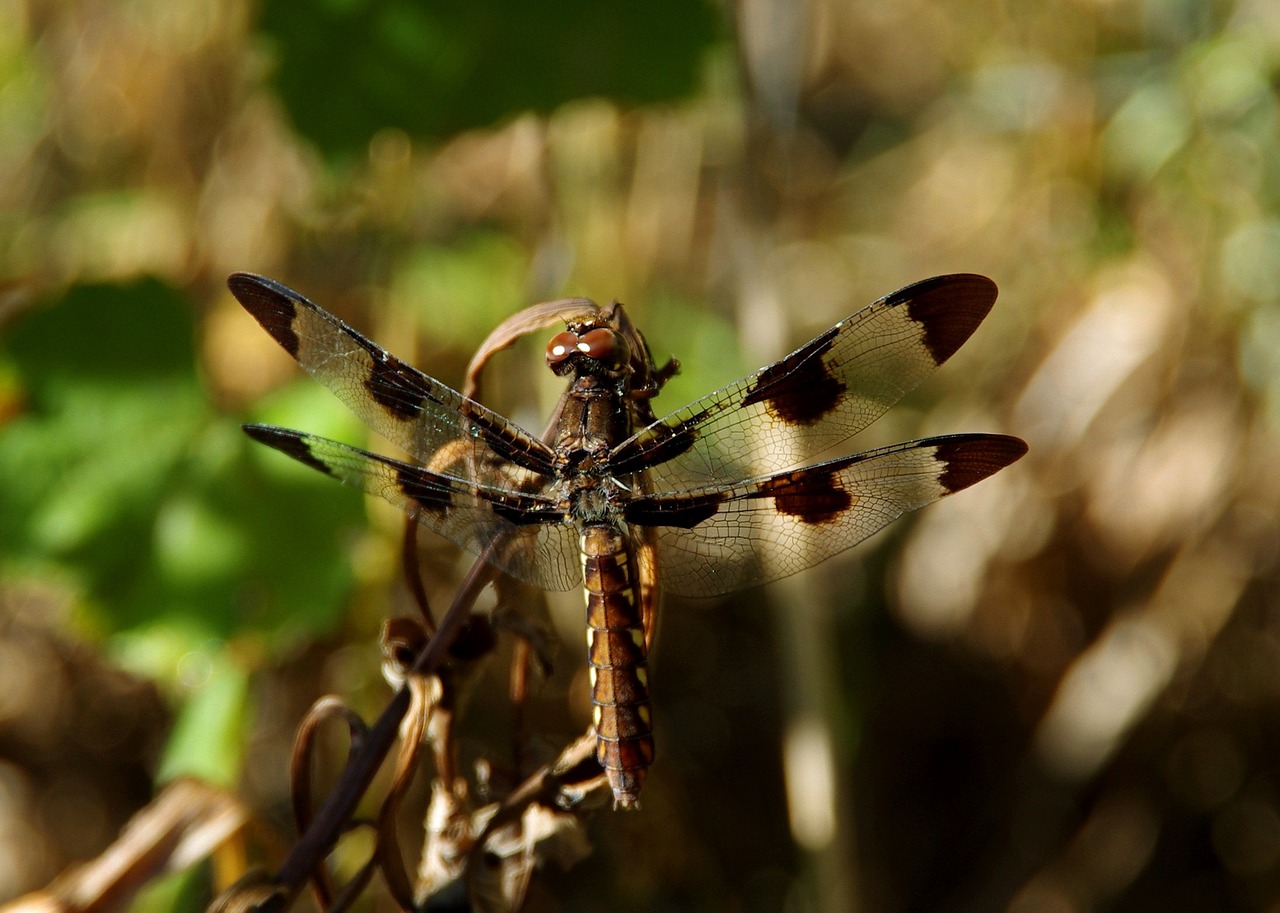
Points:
[(300, 774), (319, 839), (413, 569), (387, 854)]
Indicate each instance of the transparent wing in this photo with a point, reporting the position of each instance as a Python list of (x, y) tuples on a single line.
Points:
[(818, 396), (541, 542), (718, 539), (410, 409)]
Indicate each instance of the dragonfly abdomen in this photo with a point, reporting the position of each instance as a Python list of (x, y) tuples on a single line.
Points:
[(617, 656)]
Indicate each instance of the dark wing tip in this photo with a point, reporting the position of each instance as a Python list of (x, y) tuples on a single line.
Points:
[(290, 443), (269, 434), (250, 289), (949, 308), (238, 280), (273, 305), (970, 458)]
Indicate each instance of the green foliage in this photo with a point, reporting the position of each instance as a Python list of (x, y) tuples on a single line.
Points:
[(464, 290), (349, 68), (207, 741), (178, 892), (119, 471)]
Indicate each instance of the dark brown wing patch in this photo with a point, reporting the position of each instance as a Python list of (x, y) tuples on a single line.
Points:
[(287, 442), (949, 308), (522, 511), (271, 304), (428, 492), (811, 496), (970, 458), (800, 389), (682, 512), (390, 382)]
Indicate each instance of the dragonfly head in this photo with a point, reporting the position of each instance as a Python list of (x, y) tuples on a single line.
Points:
[(590, 349)]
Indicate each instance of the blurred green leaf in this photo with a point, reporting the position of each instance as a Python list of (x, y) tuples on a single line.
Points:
[(177, 892), (349, 68), (120, 472), (476, 281), (705, 343), (1148, 129), (207, 741)]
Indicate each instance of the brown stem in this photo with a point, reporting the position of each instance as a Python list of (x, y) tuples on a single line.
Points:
[(316, 843)]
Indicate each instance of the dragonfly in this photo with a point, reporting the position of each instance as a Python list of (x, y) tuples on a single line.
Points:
[(717, 496)]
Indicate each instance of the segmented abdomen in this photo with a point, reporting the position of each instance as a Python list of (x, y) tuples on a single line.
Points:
[(617, 656)]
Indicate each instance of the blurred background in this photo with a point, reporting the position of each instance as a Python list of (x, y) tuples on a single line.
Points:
[(1058, 691)]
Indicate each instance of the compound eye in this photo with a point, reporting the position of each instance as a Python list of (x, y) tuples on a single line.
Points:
[(604, 345), (561, 347)]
